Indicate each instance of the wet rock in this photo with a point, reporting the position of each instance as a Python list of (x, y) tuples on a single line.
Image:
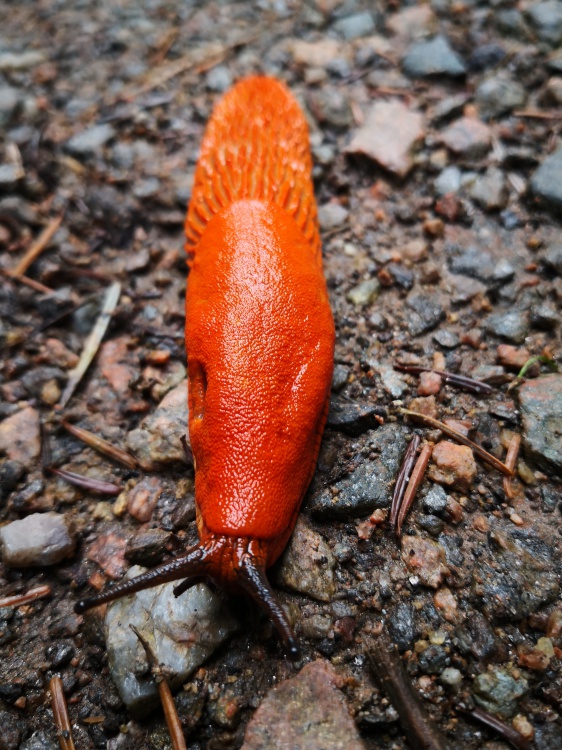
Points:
[(512, 326), (369, 486), (11, 731), (20, 437), (486, 56), (426, 313), (540, 402), (340, 377), (490, 190), (10, 99), (183, 632), (332, 215), (468, 137), (39, 539), (477, 637), (545, 317), (435, 501), (355, 26), (157, 441), (449, 181), (447, 339), (432, 524), (352, 418), (499, 95), (425, 559), (90, 141), (147, 547), (517, 577), (308, 564), (108, 551), (10, 474), (434, 57), (402, 626), (546, 20), (307, 711), (552, 259), (142, 499), (389, 135), (546, 183), (219, 78), (434, 659), (497, 691), (39, 741), (365, 293), (452, 465)]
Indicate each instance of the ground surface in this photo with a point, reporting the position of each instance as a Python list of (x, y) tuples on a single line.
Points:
[(441, 235)]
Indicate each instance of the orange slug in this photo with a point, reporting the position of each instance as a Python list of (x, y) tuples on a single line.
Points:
[(260, 340)]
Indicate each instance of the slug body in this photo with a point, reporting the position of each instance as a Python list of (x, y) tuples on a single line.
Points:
[(259, 338)]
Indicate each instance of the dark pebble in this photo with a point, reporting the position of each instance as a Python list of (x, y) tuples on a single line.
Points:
[(59, 654), (34, 380), (434, 660), (477, 637), (473, 262), (435, 500), (550, 498), (350, 418), (340, 377), (147, 547), (10, 474), (426, 314), (552, 259), (402, 276), (446, 339), (10, 735), (511, 326), (546, 183), (545, 317), (486, 56), (402, 627), (39, 741), (432, 524)]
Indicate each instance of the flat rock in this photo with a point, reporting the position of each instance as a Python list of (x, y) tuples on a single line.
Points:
[(468, 137), (512, 326), (183, 632), (157, 441), (351, 418), (306, 712), (546, 183), (433, 57), (389, 135), (426, 314), (540, 402), (20, 436), (39, 539), (308, 564), (498, 95), (370, 485), (88, 142)]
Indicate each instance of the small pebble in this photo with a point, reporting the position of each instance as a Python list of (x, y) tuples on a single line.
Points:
[(452, 465), (37, 540)]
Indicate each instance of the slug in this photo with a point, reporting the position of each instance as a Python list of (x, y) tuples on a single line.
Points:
[(259, 336)]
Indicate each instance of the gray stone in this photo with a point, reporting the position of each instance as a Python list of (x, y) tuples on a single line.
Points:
[(503, 272), (37, 540), (39, 741), (10, 99), (21, 60), (352, 418), (339, 380), (552, 259), (364, 293), (435, 500), (468, 137), (219, 78), (498, 95), (332, 215), (434, 57), (490, 190), (434, 659), (545, 317), (426, 313), (157, 442), (546, 183), (546, 19), (512, 326), (449, 181), (332, 106), (447, 339), (402, 626), (356, 25), (392, 381), (183, 632), (510, 22), (540, 402), (146, 188), (370, 485), (90, 141), (308, 564), (9, 175), (497, 691)]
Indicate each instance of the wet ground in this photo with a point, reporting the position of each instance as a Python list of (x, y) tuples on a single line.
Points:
[(435, 133)]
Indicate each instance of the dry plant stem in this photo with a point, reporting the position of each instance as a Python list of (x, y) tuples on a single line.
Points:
[(537, 114), (510, 462), (101, 445), (416, 479), (38, 246), (86, 483), (168, 705), (29, 596), (60, 713), (391, 675), (403, 478), (504, 730), (451, 378), (31, 283), (92, 342), (480, 452)]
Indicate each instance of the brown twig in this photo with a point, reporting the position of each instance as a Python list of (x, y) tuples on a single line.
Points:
[(100, 444), (60, 714), (170, 712), (510, 462), (86, 483), (403, 478), (504, 730), (26, 281), (17, 600), (537, 114), (416, 724), (451, 378), (92, 342), (38, 246), (416, 479), (460, 438)]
